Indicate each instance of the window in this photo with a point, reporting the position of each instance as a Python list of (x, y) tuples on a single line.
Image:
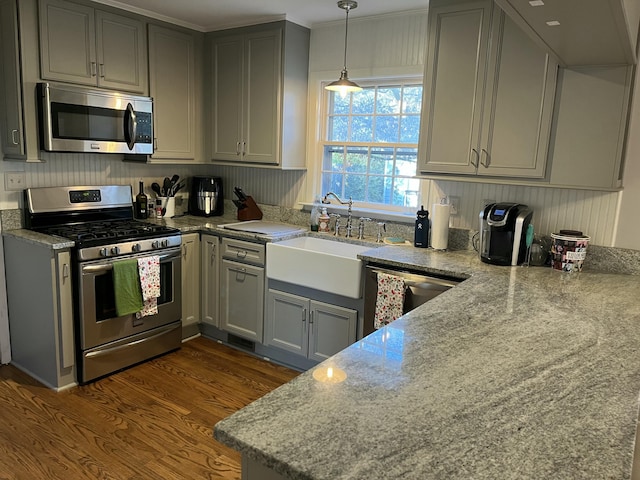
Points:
[(370, 146)]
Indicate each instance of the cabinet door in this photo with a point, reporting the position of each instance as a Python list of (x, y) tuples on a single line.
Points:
[(261, 102), (226, 111), (242, 299), (190, 279), (521, 80), (286, 322), (10, 88), (121, 52), (454, 85), (210, 273), (173, 88), (67, 42), (331, 329)]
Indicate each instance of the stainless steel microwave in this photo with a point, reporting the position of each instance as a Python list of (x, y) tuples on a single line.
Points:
[(77, 119)]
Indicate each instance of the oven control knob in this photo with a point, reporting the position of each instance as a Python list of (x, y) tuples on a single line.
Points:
[(104, 252), (136, 247), (165, 243), (115, 250), (155, 244)]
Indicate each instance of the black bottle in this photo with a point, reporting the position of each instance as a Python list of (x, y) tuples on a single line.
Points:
[(141, 208), (421, 238)]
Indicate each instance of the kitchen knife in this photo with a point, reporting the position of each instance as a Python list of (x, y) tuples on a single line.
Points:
[(240, 194), (238, 204)]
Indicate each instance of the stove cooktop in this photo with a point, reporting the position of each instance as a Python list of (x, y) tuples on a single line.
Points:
[(91, 234)]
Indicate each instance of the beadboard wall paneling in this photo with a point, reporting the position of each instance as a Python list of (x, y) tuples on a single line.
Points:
[(376, 42), (592, 212)]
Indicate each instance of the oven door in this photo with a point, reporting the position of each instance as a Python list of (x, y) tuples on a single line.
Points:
[(98, 323)]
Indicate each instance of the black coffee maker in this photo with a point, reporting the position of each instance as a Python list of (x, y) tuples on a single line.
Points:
[(206, 197)]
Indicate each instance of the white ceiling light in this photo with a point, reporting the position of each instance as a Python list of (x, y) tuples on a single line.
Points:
[(553, 23), (343, 84), (536, 3)]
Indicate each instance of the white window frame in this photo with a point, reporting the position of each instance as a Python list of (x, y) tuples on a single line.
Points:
[(319, 133)]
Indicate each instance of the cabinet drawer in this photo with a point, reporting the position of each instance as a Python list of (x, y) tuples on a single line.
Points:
[(242, 251)]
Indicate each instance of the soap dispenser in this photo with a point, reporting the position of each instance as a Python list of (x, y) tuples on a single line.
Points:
[(421, 238)]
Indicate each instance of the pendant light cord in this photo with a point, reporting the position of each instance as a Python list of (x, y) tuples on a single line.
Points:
[(346, 33)]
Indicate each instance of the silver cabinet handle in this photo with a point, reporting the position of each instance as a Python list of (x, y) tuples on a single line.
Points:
[(485, 159), (238, 270), (241, 254), (93, 69), (101, 70), (476, 156), (244, 148), (304, 315), (311, 320), (65, 270), (238, 148), (15, 139), (184, 251)]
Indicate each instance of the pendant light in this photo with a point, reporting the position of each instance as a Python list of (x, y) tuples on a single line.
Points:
[(344, 85)]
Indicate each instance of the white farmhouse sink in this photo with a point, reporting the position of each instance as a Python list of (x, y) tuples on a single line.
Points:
[(324, 265)]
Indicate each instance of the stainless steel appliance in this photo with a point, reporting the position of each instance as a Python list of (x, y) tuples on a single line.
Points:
[(99, 219), (206, 197), (503, 229), (78, 119), (420, 288)]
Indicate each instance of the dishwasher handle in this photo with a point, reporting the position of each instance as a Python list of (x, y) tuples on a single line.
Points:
[(414, 279)]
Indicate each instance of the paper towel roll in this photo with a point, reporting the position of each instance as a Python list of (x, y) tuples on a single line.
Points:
[(440, 225)]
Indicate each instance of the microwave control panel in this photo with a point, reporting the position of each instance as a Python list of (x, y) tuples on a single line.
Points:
[(144, 131)]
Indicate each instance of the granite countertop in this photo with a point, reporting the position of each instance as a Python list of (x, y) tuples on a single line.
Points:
[(516, 373)]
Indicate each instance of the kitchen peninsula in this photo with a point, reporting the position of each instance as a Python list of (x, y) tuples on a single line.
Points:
[(517, 373)]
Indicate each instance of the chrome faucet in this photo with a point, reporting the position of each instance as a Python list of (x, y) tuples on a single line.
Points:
[(349, 227)]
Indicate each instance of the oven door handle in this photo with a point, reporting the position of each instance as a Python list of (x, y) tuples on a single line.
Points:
[(105, 267), (107, 351)]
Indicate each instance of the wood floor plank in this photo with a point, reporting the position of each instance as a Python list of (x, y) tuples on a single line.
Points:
[(154, 420)]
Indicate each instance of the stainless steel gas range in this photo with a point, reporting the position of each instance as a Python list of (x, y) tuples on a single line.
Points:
[(99, 219)]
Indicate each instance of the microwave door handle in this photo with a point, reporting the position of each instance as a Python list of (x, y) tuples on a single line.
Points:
[(130, 126)]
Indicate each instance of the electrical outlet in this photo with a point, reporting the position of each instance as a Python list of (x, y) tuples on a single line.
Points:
[(455, 205), (14, 180)]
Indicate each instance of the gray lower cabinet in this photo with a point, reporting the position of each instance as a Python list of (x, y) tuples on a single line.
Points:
[(40, 302), (174, 87), (313, 329), (209, 248), (80, 44), (190, 284), (488, 96), (242, 288)]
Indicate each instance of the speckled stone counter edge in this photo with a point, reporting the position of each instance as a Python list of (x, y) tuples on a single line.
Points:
[(599, 258)]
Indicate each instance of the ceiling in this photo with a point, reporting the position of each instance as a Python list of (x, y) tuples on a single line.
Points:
[(209, 15)]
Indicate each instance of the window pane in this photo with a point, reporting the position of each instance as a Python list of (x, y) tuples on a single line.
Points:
[(355, 186), (332, 182), (337, 104), (338, 128), (387, 129), (410, 130), (412, 99), (388, 100), (333, 158), (406, 160), (382, 161), (406, 192), (379, 189), (363, 101), (357, 159), (361, 129)]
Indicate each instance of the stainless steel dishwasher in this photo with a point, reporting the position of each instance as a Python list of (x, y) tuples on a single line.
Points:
[(420, 288)]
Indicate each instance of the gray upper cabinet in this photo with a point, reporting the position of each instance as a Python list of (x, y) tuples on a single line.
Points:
[(174, 87), (488, 100), (259, 90), (11, 120), (79, 44), (587, 140)]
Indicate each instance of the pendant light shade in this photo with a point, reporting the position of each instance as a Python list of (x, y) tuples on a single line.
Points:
[(344, 85)]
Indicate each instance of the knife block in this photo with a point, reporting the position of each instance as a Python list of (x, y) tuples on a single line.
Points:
[(250, 210)]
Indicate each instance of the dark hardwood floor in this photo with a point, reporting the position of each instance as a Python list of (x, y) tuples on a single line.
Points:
[(152, 421)]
